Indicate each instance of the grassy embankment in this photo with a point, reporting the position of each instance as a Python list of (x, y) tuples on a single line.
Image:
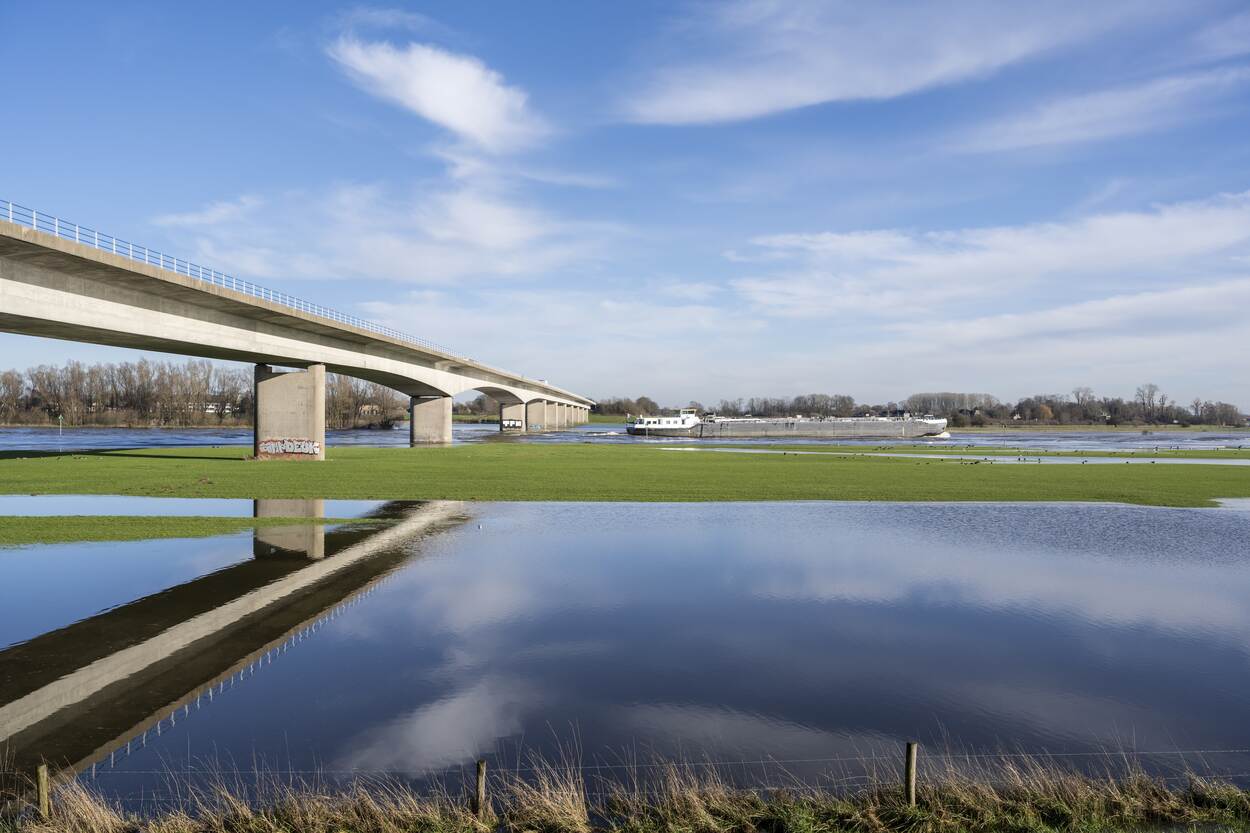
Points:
[(1144, 428), (56, 529), (564, 472), (1238, 453), (1024, 797)]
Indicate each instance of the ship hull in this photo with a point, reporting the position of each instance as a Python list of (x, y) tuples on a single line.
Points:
[(643, 431), (845, 429)]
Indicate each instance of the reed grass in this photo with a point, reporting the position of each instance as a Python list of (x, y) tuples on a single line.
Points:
[(1018, 795)]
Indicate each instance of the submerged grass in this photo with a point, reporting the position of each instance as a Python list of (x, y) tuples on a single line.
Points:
[(17, 531), (585, 472), (1026, 796)]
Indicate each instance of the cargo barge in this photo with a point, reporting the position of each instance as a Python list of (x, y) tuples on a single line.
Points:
[(689, 424)]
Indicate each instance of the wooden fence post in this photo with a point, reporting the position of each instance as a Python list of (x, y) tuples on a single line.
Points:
[(479, 795), (909, 774), (44, 790)]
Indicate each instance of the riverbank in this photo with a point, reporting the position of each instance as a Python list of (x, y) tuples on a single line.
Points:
[(1144, 428), (1027, 796), (1160, 451), (585, 472)]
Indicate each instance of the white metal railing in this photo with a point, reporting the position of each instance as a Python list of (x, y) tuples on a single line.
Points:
[(42, 221)]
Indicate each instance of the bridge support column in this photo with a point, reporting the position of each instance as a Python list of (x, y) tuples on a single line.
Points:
[(552, 420), (431, 420), (535, 415), (290, 413), (300, 540), (513, 417)]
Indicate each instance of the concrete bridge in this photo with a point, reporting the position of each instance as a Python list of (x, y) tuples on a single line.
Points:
[(62, 280)]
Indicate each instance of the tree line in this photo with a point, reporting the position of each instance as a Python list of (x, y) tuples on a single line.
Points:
[(1150, 406), (155, 393)]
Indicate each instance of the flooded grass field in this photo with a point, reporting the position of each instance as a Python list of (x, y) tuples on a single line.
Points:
[(807, 635)]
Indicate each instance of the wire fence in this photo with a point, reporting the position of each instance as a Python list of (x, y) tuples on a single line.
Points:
[(187, 785), (932, 756), (42, 221)]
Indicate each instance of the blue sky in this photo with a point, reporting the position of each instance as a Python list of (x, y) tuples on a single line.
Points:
[(680, 200)]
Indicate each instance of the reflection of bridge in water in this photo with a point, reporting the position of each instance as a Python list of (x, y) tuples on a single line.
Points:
[(77, 695)]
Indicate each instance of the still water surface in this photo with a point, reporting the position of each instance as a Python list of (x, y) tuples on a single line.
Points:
[(797, 632)]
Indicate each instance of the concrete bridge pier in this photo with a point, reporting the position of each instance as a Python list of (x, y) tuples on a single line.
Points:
[(430, 420), (515, 413), (535, 415), (290, 413), (299, 540)]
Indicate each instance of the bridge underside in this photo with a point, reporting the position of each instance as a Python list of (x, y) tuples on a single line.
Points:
[(58, 289)]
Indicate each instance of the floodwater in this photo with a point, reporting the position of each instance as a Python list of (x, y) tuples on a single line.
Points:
[(78, 439), (804, 633)]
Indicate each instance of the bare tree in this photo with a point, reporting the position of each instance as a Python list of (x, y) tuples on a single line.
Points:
[(1147, 398)]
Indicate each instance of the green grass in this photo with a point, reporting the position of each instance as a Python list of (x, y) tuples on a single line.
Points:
[(583, 472), (17, 531), (993, 450)]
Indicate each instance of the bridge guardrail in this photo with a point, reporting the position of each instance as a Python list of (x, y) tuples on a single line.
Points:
[(42, 221)]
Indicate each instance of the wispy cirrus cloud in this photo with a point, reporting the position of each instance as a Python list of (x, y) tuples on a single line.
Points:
[(213, 214), (381, 17), (754, 57), (1122, 111), (455, 91), (1225, 39)]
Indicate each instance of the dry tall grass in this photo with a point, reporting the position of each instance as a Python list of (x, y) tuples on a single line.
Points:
[(1021, 795)]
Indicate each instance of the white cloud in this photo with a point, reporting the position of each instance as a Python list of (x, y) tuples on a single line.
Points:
[(1229, 37), (601, 341), (457, 92), (690, 290), (468, 231), (1123, 111), (466, 164), (1108, 300), (756, 57), (1177, 311), (385, 18), (893, 272), (215, 213)]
